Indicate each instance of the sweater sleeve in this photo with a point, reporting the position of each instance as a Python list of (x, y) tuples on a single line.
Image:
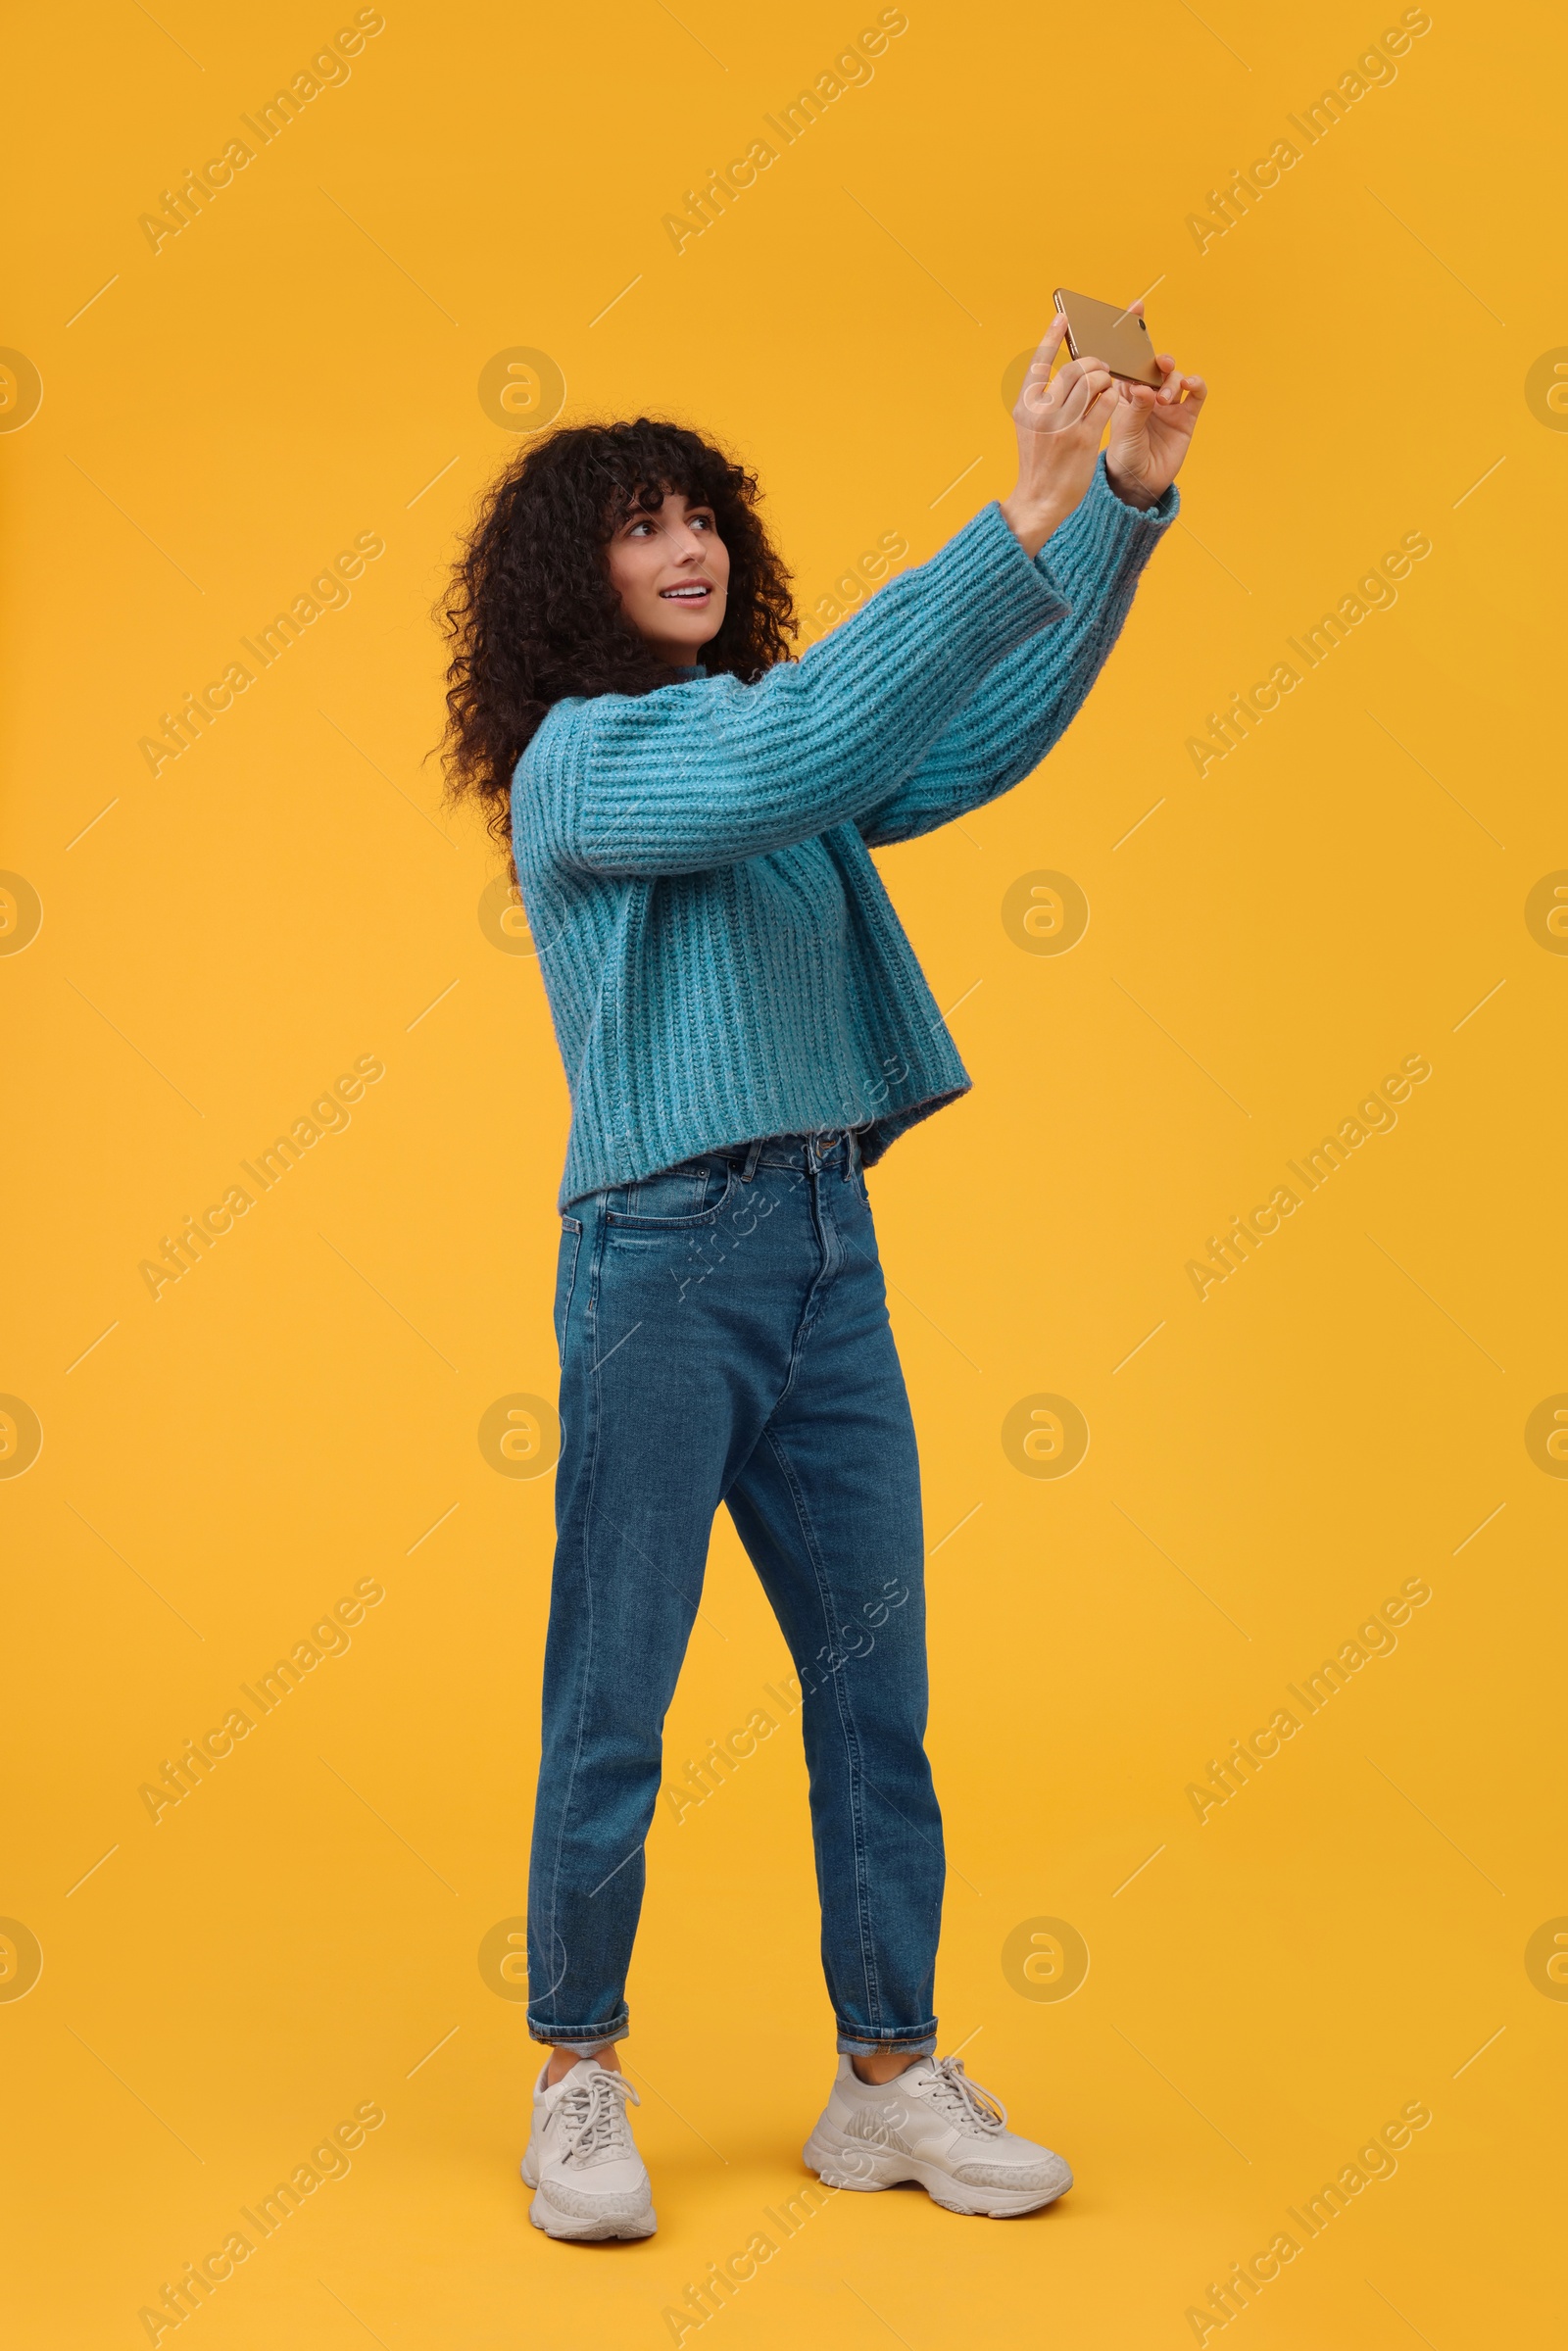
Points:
[(712, 772), (1028, 699)]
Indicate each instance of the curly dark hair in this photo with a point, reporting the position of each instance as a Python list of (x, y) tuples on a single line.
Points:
[(530, 613)]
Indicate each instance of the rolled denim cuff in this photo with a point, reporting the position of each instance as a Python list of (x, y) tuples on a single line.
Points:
[(586, 2037), (916, 2044)]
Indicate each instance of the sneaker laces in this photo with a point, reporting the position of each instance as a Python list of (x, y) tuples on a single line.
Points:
[(949, 2089), (593, 2115)]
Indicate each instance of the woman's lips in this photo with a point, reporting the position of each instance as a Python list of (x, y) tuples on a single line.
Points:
[(693, 591)]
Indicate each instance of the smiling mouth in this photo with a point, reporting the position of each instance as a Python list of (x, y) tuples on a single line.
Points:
[(695, 592)]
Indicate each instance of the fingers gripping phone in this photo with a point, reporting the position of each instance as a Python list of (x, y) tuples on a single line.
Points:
[(1113, 335)]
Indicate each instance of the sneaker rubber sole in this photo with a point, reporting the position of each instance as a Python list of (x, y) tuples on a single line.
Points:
[(585, 2228), (846, 2162)]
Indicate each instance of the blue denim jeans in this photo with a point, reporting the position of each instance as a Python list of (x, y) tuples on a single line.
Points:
[(724, 1337)]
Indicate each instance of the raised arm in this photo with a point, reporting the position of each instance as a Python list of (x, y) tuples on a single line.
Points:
[(1029, 699), (712, 772), (1095, 559)]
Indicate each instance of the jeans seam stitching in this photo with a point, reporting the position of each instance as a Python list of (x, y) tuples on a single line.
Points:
[(814, 1296), (587, 1521), (569, 1225), (846, 1723)]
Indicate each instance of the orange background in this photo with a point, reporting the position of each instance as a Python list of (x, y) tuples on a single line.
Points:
[(300, 1414)]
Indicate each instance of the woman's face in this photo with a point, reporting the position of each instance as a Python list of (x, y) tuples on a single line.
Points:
[(671, 569)]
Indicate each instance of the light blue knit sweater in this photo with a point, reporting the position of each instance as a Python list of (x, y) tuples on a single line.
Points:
[(720, 955)]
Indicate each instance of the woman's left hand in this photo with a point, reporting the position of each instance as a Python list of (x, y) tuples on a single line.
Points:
[(1152, 429)]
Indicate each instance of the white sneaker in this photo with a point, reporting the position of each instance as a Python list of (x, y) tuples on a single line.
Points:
[(582, 2158), (933, 2125)]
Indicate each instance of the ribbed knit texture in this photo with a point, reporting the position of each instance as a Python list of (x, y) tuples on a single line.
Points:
[(720, 955)]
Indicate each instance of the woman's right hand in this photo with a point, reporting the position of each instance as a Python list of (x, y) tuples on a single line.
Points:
[(1060, 423)]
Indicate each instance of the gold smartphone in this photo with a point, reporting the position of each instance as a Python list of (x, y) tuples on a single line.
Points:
[(1111, 335)]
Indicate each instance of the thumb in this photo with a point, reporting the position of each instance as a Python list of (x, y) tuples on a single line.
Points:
[(1120, 415)]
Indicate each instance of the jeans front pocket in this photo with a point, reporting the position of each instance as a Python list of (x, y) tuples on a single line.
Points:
[(566, 1280), (677, 1200)]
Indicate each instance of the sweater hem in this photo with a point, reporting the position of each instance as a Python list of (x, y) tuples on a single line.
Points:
[(880, 1137), (876, 1139)]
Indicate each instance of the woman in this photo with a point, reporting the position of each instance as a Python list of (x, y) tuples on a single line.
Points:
[(745, 1030)]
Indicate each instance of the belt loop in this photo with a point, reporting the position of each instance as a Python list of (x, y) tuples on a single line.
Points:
[(752, 1154)]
